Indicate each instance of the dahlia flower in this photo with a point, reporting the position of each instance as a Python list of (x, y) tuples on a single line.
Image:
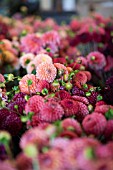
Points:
[(31, 44), (46, 71), (96, 60), (40, 58), (28, 84), (26, 59)]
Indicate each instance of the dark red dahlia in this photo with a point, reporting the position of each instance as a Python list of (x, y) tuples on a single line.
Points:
[(10, 121), (3, 30), (107, 92), (70, 106), (93, 97), (109, 130), (109, 82), (17, 106), (62, 94), (18, 96), (77, 91)]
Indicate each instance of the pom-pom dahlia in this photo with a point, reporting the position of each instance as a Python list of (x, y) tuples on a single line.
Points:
[(51, 111), (40, 58), (10, 121), (63, 94), (95, 124), (34, 136), (46, 71), (70, 106), (96, 60), (71, 124), (28, 84), (52, 159), (26, 59), (34, 104), (31, 44)]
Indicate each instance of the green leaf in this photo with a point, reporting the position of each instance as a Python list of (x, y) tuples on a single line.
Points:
[(89, 153), (15, 88), (29, 82), (26, 97), (30, 114), (2, 85), (44, 91), (1, 42), (99, 97), (24, 119), (34, 72), (48, 49), (109, 114), (16, 106)]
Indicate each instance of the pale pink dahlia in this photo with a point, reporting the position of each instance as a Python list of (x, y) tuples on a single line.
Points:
[(30, 67), (96, 60), (28, 84), (25, 59), (46, 71), (40, 58), (31, 44)]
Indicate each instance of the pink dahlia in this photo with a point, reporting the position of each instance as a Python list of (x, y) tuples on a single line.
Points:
[(59, 143), (88, 74), (28, 84), (51, 111), (40, 58), (42, 84), (95, 124), (70, 106), (82, 60), (46, 71), (34, 104), (71, 124), (80, 78), (34, 136), (51, 160), (81, 99), (51, 39), (103, 108), (60, 66), (6, 165), (96, 60), (82, 112), (26, 59), (31, 43)]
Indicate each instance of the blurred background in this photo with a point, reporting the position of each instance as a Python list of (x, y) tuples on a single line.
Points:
[(58, 9)]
